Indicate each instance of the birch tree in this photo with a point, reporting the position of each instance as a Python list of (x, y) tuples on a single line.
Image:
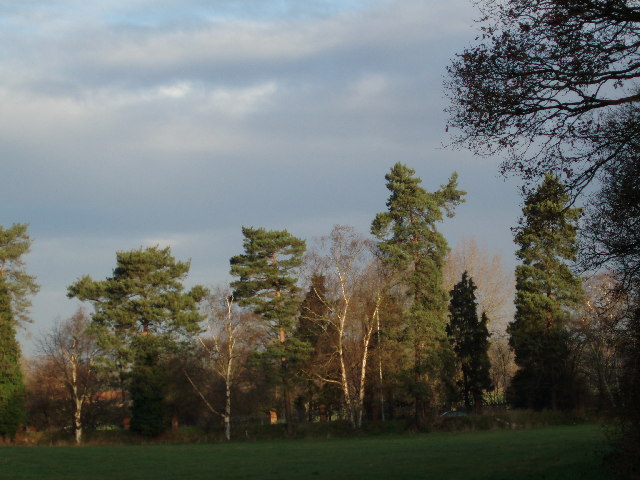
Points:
[(70, 351), (355, 290), (231, 335)]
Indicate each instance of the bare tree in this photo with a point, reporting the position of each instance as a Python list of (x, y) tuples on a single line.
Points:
[(503, 365), (232, 333), (69, 351), (355, 289), (599, 335), (496, 285)]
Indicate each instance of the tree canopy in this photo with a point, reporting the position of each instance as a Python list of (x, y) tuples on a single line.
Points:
[(145, 295), (469, 337), (543, 82), (546, 293), (12, 391), (410, 243), (15, 243), (267, 275)]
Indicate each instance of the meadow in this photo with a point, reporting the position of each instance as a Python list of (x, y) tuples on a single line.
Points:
[(558, 452)]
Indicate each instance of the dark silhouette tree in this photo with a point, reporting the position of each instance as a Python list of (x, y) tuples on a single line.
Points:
[(469, 337), (542, 83), (552, 86)]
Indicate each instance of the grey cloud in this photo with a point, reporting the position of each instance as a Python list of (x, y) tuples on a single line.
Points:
[(117, 134)]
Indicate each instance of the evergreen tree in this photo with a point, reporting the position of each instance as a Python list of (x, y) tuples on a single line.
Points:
[(141, 313), (15, 243), (12, 412), (546, 291), (410, 243), (469, 337), (148, 382), (15, 289), (267, 278)]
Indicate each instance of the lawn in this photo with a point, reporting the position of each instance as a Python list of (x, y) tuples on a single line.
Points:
[(567, 452)]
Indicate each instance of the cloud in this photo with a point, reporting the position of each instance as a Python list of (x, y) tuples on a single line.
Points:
[(128, 123)]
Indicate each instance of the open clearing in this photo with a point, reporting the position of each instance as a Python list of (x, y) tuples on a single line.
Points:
[(568, 452)]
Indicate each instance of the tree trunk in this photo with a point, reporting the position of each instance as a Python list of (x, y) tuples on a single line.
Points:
[(227, 404), (477, 402), (77, 420), (77, 400), (288, 403), (420, 402)]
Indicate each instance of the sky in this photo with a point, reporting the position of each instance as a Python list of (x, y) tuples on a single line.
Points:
[(126, 124)]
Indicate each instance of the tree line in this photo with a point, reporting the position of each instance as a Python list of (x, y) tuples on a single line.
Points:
[(354, 327), (551, 86)]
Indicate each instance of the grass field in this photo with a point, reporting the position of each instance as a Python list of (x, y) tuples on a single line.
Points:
[(568, 452)]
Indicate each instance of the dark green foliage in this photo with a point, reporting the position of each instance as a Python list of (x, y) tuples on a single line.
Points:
[(148, 382), (411, 245), (546, 291), (12, 391), (15, 289), (144, 297), (14, 244), (267, 275), (469, 337)]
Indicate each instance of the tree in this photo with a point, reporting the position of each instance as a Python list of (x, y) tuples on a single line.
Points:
[(546, 294), (231, 336), (69, 351), (15, 289), (543, 82), (15, 243), (494, 294), (410, 244), (469, 337), (355, 288), (12, 412), (140, 313), (315, 329), (552, 85), (267, 283), (495, 285), (601, 331), (610, 233)]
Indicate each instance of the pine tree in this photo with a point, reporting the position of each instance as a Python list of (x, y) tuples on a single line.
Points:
[(15, 289), (469, 337), (141, 313), (15, 243), (546, 291), (147, 389), (410, 243), (267, 283), (12, 412)]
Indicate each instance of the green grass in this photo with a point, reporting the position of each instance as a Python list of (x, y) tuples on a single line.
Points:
[(566, 452)]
